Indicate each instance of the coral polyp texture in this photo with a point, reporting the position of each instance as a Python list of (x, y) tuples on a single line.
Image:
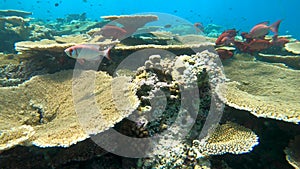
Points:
[(263, 89), (45, 103), (227, 138), (15, 136)]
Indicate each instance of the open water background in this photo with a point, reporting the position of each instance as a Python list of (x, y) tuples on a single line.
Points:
[(242, 15)]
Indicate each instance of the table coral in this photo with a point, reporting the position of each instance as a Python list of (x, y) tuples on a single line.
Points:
[(293, 47), (227, 138), (46, 104), (131, 22), (12, 12), (292, 61), (263, 89)]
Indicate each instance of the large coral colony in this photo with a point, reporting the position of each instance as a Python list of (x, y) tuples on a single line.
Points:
[(50, 110)]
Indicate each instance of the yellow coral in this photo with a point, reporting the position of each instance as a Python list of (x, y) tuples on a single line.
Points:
[(15, 136), (293, 47), (227, 138), (46, 104), (263, 89)]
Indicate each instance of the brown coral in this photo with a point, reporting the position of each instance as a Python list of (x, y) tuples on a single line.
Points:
[(46, 104), (12, 12), (227, 138), (265, 90), (131, 22), (291, 61), (292, 152)]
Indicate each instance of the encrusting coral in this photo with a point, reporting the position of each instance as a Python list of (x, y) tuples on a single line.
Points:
[(263, 89), (46, 104)]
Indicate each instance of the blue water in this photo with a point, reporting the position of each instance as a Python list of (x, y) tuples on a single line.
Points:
[(228, 13)]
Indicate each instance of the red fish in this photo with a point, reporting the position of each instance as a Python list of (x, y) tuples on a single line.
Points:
[(246, 37), (258, 45), (226, 38), (114, 32), (262, 29), (224, 54), (241, 46), (199, 27), (279, 42), (255, 45), (89, 52)]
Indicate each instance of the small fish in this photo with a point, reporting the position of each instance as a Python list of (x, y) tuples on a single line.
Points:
[(199, 27), (262, 29), (90, 52), (256, 45), (279, 41), (168, 26), (227, 37), (114, 32), (224, 54)]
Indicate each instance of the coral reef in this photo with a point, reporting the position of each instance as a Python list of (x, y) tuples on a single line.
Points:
[(265, 90), (226, 138), (13, 29), (46, 104)]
